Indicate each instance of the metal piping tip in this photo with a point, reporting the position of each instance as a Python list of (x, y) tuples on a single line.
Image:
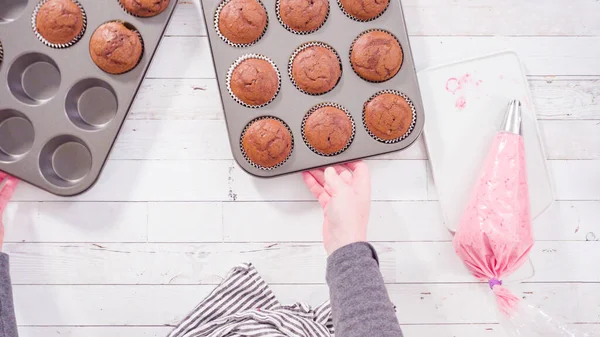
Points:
[(512, 121)]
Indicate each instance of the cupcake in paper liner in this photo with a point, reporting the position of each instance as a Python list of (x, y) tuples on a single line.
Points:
[(363, 10), (389, 116), (302, 16), (253, 81), (241, 23), (315, 68), (267, 142), (328, 129), (144, 8), (59, 23), (376, 55), (116, 47)]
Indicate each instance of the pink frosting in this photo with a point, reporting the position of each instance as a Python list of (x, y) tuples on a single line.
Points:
[(494, 234)]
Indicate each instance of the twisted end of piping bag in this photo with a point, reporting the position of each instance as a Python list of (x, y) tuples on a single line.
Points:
[(512, 120)]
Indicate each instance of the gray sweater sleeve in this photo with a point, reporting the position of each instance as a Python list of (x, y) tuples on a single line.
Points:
[(360, 303), (8, 323)]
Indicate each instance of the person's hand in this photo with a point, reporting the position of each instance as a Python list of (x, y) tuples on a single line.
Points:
[(7, 187), (344, 192)]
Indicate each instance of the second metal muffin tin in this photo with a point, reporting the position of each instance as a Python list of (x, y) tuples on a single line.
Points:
[(291, 105), (59, 113)]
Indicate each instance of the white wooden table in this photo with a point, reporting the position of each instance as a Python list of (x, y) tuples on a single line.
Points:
[(172, 211)]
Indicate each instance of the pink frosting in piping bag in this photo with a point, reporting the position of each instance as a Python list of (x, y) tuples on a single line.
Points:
[(494, 235)]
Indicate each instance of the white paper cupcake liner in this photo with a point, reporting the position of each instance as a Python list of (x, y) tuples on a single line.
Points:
[(58, 45), (237, 45), (139, 16), (366, 32), (255, 165), (339, 2), (317, 107), (299, 32), (237, 63), (1, 53), (410, 128), (299, 50)]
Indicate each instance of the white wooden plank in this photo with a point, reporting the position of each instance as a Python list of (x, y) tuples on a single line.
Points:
[(186, 99), (576, 179), (279, 263), (540, 55), (294, 221), (562, 18), (416, 304), (196, 139), (185, 222), (75, 222), (438, 330), (571, 139), (189, 99), (132, 180), (391, 180), (207, 139), (566, 98)]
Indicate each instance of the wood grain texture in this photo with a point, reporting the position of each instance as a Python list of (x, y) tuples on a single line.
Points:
[(172, 211)]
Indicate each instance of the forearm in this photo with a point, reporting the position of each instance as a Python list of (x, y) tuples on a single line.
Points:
[(8, 324), (360, 303)]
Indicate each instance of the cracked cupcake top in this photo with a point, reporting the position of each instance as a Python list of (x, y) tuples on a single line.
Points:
[(242, 21), (254, 81), (59, 21), (364, 10), (316, 70), (115, 48), (145, 8), (303, 15), (388, 116), (328, 130), (267, 142), (376, 56)]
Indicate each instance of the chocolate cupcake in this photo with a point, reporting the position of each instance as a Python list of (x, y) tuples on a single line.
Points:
[(241, 22), (115, 48), (267, 142), (302, 16), (376, 56), (363, 10), (253, 81), (144, 8), (59, 23), (315, 68), (389, 116), (328, 129)]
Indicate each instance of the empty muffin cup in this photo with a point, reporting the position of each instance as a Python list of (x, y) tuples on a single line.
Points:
[(59, 23), (65, 160), (34, 78), (91, 104), (16, 135), (10, 10)]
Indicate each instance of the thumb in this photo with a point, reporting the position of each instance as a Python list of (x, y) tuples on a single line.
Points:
[(333, 180)]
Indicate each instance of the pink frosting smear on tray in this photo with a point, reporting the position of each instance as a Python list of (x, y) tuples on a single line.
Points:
[(494, 235)]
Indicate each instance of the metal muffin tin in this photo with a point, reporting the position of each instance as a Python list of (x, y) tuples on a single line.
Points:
[(291, 105), (59, 113)]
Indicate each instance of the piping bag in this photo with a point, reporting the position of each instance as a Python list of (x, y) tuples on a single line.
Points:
[(494, 235)]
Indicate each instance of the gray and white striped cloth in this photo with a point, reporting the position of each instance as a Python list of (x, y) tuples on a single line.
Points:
[(243, 305)]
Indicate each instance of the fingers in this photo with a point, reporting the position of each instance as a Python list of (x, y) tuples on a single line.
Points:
[(316, 189), (333, 180), (361, 174)]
